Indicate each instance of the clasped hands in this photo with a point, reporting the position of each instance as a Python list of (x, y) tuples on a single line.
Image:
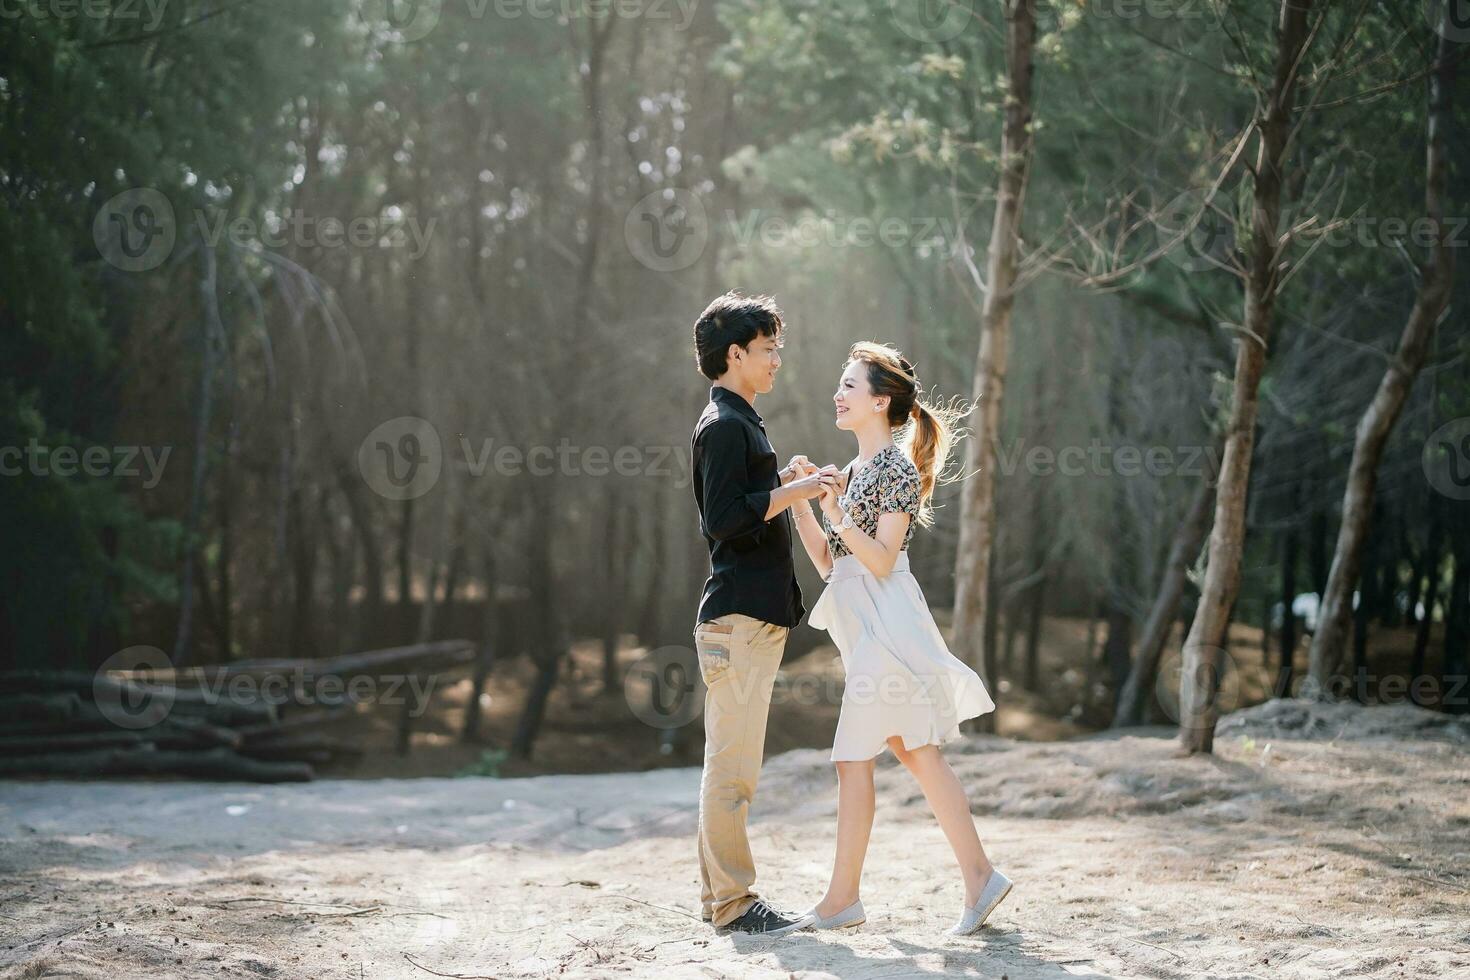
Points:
[(824, 482)]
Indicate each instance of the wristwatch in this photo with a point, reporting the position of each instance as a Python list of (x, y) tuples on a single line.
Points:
[(845, 525)]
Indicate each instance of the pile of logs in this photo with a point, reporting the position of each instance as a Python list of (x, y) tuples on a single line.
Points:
[(266, 729)]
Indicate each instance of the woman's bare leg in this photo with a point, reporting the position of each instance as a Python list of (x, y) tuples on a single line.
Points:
[(947, 799), (854, 825)]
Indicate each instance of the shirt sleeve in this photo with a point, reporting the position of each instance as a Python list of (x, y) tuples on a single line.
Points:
[(732, 507), (899, 491)]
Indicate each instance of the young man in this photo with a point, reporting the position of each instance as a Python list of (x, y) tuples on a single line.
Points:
[(751, 600)]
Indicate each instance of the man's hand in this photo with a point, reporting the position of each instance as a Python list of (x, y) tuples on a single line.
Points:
[(799, 467)]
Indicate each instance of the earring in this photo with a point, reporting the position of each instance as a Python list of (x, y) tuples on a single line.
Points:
[(877, 408)]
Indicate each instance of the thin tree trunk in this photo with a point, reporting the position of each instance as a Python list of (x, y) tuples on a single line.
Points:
[(1035, 596), (371, 621), (339, 557), (1378, 421), (1290, 547), (977, 506), (1208, 635), (489, 638), (303, 575), (1457, 618), (226, 517), (612, 613), (1012, 605), (992, 618), (1416, 583), (212, 328), (1389, 615), (425, 630), (1037, 601), (1123, 561), (1366, 608), (1093, 622), (1118, 648), (1137, 690), (1320, 563), (1429, 594), (428, 613), (405, 562), (650, 618), (453, 577)]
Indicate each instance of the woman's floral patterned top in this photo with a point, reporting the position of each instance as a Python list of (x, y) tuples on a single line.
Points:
[(886, 484)]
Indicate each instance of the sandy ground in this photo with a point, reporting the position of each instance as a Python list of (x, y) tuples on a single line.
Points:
[(1329, 842)]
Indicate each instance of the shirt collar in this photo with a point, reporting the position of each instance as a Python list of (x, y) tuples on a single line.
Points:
[(717, 393)]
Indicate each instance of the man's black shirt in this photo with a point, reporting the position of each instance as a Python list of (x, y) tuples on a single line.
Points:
[(735, 470)]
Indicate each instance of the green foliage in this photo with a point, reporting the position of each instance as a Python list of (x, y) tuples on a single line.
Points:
[(488, 764), (92, 107)]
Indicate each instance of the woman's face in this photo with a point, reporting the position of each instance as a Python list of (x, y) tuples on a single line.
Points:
[(854, 401)]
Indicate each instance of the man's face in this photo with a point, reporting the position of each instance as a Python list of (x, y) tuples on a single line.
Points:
[(757, 363)]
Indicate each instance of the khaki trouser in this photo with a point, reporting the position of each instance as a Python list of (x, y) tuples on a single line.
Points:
[(738, 659)]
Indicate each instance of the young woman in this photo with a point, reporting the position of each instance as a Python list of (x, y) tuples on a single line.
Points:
[(904, 690)]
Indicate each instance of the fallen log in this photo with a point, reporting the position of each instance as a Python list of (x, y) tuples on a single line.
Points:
[(206, 732), (54, 696), (88, 684), (65, 742), (227, 713), (421, 656), (294, 722), (96, 719), (87, 718), (175, 733), (44, 708), (307, 747), (216, 763)]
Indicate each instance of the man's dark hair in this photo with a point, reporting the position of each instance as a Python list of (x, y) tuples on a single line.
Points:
[(732, 319)]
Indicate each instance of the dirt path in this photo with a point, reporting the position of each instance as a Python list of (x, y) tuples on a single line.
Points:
[(1282, 857)]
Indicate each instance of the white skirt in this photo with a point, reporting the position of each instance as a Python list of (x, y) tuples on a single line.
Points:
[(901, 678)]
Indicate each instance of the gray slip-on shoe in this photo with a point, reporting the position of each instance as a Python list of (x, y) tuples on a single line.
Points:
[(996, 888), (851, 916)]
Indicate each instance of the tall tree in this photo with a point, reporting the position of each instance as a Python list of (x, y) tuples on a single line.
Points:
[(977, 501), (1433, 297), (1204, 646)]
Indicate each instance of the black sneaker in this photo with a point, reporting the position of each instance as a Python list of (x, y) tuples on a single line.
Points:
[(761, 919)]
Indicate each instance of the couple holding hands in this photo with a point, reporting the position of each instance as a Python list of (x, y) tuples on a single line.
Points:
[(904, 690)]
